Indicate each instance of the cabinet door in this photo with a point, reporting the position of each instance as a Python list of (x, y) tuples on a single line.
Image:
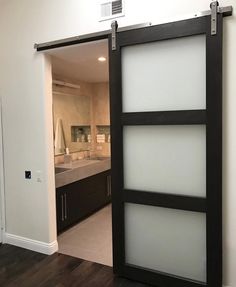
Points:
[(73, 202), (70, 199), (93, 193), (67, 205)]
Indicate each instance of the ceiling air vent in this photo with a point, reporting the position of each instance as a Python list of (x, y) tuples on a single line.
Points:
[(111, 9)]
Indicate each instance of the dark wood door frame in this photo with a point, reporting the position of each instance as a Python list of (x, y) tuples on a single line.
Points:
[(211, 117)]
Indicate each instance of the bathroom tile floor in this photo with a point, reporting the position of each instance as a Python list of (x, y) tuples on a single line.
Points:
[(91, 239)]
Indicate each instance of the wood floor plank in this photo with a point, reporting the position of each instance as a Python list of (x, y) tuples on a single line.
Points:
[(14, 261), (24, 268), (50, 271)]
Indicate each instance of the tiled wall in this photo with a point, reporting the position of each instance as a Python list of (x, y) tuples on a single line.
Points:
[(101, 104), (88, 105), (101, 114)]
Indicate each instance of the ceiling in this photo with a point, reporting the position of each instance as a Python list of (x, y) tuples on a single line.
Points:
[(80, 62)]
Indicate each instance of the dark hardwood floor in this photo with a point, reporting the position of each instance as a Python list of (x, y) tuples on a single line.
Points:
[(24, 268)]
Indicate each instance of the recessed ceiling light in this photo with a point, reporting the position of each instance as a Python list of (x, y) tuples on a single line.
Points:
[(102, 59)]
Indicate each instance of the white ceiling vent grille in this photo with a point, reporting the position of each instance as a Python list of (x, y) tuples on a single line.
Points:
[(111, 9)]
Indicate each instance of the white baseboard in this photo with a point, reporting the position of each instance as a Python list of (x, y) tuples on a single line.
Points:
[(27, 243)]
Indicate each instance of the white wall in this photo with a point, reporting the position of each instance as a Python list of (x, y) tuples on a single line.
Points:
[(30, 205)]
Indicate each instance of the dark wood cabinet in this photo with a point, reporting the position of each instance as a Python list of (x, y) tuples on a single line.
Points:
[(79, 199)]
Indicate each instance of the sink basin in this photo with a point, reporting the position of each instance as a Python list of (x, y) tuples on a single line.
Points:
[(60, 169), (98, 158), (81, 163)]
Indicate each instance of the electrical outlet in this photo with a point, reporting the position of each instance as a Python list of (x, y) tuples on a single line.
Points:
[(27, 174)]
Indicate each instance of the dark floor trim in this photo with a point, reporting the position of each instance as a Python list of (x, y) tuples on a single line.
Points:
[(189, 203)]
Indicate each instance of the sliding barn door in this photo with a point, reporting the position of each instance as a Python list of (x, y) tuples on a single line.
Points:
[(165, 84)]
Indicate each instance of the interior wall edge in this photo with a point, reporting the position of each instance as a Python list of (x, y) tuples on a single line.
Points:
[(49, 144), (2, 176)]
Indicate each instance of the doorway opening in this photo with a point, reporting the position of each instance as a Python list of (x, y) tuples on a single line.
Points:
[(81, 121)]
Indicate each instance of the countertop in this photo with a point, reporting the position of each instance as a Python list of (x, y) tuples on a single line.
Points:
[(80, 169)]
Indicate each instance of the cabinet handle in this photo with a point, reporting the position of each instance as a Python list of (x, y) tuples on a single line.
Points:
[(65, 197), (110, 184), (62, 207)]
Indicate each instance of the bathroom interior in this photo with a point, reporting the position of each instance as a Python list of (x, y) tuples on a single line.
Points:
[(82, 152)]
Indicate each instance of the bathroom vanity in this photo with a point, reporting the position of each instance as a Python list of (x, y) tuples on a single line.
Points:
[(82, 187)]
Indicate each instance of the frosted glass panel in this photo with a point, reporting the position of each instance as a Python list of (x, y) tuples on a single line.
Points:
[(167, 240), (167, 159), (164, 75)]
